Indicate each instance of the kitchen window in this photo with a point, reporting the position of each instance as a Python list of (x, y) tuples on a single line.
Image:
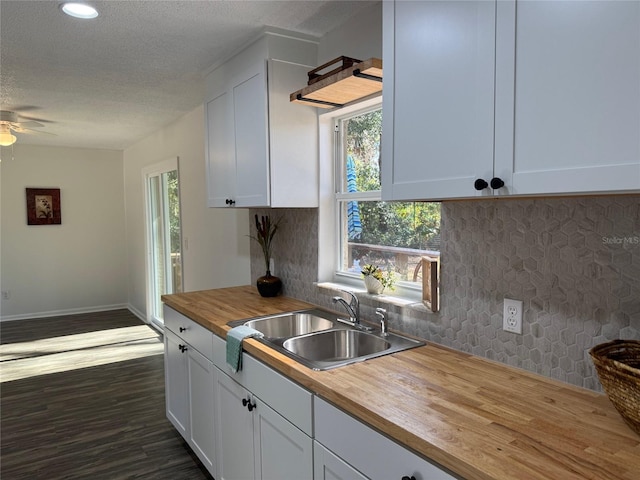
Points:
[(393, 235)]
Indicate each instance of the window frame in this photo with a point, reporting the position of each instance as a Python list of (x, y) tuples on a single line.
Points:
[(331, 197)]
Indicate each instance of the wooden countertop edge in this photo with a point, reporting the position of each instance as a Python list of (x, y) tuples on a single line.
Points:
[(493, 464)]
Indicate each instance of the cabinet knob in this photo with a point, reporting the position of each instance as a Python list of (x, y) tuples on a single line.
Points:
[(228, 201), (183, 329), (496, 183), (246, 402), (183, 348), (409, 478), (480, 184)]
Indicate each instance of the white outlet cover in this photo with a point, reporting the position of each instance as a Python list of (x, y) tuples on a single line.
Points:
[(512, 316)]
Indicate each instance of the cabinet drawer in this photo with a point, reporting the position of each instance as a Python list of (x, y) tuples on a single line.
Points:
[(368, 451), (283, 395), (189, 331)]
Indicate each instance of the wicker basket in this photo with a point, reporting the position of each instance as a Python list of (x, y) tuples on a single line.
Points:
[(618, 366)]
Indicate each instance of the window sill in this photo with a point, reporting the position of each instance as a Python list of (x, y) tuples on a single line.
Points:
[(391, 300)]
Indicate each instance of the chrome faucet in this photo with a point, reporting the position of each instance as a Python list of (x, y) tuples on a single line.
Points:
[(353, 307)]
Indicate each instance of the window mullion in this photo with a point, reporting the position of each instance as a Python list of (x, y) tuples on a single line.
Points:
[(362, 196), (337, 163)]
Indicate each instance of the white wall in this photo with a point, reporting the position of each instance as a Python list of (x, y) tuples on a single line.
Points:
[(79, 265), (218, 246)]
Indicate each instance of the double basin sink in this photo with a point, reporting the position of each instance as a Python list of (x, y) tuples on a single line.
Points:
[(319, 340)]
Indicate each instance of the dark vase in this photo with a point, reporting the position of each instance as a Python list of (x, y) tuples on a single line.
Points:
[(269, 285)]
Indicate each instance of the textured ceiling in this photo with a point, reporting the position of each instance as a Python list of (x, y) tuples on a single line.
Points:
[(111, 81)]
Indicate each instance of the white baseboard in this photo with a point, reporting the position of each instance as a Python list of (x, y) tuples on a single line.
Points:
[(70, 311)]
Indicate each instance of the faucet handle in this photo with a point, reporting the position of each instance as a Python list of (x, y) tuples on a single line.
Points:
[(354, 303)]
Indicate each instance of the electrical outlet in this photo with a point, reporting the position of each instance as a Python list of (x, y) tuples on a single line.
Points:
[(6, 294), (512, 316)]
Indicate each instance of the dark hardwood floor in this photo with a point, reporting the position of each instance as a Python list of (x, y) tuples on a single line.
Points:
[(82, 397)]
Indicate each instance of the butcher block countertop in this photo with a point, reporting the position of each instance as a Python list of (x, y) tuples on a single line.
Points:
[(479, 418)]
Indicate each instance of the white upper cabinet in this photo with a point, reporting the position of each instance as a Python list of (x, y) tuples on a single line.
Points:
[(438, 98), (541, 96), (261, 149), (575, 114)]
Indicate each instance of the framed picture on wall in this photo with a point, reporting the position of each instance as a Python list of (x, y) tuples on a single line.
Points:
[(43, 206)]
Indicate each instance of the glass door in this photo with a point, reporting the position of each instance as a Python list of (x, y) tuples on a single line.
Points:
[(164, 253)]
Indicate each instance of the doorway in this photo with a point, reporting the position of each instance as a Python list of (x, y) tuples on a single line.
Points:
[(163, 232)]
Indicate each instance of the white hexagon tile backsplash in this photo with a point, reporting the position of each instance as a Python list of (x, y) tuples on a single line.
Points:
[(573, 261)]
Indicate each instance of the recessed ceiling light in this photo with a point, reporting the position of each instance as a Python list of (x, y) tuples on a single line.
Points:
[(79, 10)]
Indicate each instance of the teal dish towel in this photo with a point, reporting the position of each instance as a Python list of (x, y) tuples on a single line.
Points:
[(235, 336)]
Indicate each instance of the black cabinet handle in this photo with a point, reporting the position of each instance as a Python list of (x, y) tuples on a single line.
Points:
[(246, 402), (183, 348), (409, 478), (479, 184), (496, 183), (183, 329), (228, 201)]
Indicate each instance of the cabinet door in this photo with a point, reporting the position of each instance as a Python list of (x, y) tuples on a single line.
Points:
[(438, 98), (282, 450), (234, 431), (202, 401), (221, 168), (176, 382), (327, 466), (577, 97), (373, 454), (251, 145), (293, 139)]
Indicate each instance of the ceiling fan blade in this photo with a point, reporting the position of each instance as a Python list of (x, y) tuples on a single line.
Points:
[(20, 108), (30, 131), (28, 124), (37, 119), (16, 116)]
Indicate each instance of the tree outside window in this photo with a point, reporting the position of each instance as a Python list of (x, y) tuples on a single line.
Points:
[(393, 235)]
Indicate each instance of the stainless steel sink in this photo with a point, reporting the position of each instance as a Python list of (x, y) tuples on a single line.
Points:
[(318, 339), (290, 325), (336, 345), (337, 348)]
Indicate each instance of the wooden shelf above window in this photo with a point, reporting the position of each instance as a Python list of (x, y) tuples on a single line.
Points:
[(346, 86)]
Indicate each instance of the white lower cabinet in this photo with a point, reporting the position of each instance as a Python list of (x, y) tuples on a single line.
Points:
[(176, 383), (283, 450), (234, 432), (328, 466), (189, 385), (257, 424), (202, 375), (372, 454), (254, 440)]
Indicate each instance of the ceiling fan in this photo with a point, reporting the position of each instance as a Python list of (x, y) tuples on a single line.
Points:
[(12, 122)]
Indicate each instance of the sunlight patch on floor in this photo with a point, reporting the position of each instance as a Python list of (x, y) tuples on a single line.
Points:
[(65, 343), (72, 352)]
